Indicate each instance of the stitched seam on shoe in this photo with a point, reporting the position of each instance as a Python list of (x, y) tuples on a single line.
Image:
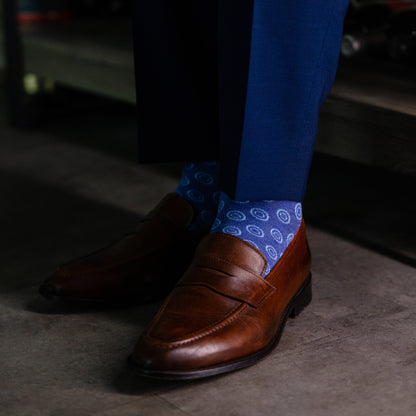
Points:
[(199, 267), (224, 318), (176, 342), (250, 302), (230, 263), (163, 307), (266, 286)]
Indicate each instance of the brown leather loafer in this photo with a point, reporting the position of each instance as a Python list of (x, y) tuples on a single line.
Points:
[(222, 315), (142, 266)]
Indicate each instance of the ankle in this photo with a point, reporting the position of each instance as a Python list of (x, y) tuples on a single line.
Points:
[(267, 225), (199, 186)]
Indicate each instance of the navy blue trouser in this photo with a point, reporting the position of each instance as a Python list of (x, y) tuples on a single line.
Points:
[(241, 81)]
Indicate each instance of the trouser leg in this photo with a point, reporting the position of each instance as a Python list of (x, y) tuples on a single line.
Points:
[(175, 50), (238, 80), (293, 60)]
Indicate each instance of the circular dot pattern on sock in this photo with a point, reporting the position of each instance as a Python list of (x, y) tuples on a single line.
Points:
[(236, 215), (269, 225), (199, 186)]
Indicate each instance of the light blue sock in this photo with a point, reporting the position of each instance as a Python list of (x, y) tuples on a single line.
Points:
[(199, 186), (267, 225)]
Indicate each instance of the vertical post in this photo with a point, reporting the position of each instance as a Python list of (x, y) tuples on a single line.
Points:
[(14, 64)]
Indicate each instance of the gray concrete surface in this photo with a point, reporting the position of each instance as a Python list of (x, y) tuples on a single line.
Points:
[(65, 191)]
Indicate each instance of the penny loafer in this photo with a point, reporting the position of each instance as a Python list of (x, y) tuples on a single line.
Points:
[(222, 315), (142, 266)]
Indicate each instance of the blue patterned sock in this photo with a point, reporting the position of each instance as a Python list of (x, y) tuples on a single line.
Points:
[(268, 225), (199, 186)]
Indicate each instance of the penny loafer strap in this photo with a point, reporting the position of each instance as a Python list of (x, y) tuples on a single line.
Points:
[(228, 279)]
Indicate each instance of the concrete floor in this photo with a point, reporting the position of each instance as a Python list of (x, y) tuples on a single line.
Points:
[(72, 185)]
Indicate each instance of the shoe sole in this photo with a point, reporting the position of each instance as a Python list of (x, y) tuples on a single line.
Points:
[(298, 303)]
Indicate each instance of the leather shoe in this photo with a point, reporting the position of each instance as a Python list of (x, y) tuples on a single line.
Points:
[(142, 266), (222, 315)]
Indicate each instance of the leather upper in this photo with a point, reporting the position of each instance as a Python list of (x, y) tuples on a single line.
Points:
[(144, 263), (222, 310)]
